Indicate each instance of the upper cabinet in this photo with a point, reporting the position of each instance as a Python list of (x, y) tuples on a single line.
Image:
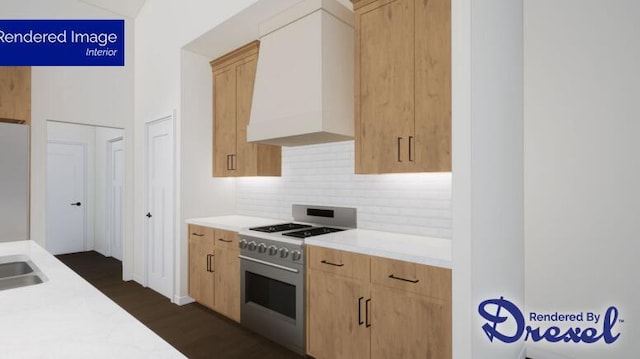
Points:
[(402, 86), (15, 94), (233, 80)]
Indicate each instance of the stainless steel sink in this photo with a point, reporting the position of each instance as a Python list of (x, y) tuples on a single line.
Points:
[(19, 271)]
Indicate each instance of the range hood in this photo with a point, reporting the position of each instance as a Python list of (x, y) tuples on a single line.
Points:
[(303, 92)]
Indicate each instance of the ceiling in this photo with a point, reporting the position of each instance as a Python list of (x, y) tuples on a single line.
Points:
[(129, 8)]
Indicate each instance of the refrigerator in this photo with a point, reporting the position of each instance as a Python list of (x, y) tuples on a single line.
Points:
[(14, 182)]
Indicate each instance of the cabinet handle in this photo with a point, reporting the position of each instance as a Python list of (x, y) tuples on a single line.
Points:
[(399, 145), (404, 279), (360, 322), (410, 148), (197, 235), (331, 264), (233, 162), (366, 314), (210, 263), (225, 240), (229, 162)]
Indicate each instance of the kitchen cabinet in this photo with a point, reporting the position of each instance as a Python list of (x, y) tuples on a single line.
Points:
[(233, 81), (214, 269), (15, 94), (402, 86), (362, 306), (201, 275)]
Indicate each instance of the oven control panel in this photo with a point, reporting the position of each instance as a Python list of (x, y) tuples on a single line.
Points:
[(271, 250)]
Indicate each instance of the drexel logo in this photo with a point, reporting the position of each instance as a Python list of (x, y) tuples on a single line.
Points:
[(499, 312)]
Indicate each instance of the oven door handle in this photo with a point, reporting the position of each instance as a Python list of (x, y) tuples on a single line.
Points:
[(293, 270)]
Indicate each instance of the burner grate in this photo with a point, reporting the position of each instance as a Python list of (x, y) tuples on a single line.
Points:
[(280, 227), (316, 231)]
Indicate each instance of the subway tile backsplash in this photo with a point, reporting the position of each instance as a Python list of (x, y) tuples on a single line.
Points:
[(324, 175)]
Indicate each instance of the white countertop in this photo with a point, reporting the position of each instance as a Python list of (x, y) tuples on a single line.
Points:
[(234, 223), (411, 248), (66, 317)]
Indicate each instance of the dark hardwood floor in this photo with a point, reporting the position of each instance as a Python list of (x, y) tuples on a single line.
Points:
[(194, 330)]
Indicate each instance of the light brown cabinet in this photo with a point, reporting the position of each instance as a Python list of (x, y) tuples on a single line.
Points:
[(369, 307), (15, 94), (233, 80), (402, 86), (214, 269)]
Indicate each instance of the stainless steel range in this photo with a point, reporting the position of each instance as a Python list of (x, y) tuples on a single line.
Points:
[(272, 268)]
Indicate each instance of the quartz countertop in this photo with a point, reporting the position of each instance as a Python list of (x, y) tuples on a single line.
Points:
[(411, 248), (234, 223), (66, 317)]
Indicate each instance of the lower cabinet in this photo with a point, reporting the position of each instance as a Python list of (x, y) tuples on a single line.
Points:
[(369, 307), (214, 269)]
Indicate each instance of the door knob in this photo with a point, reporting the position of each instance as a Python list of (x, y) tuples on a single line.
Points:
[(76, 204), (149, 215)]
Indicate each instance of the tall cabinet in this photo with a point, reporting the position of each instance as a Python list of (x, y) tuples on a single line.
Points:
[(233, 80), (402, 86), (15, 94)]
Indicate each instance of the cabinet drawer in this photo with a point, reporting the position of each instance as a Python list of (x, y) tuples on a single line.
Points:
[(339, 262), (200, 232), (422, 279), (226, 239)]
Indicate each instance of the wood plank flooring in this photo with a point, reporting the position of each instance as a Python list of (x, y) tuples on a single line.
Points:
[(192, 329)]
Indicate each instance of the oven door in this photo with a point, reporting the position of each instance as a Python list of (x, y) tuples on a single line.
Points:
[(273, 301)]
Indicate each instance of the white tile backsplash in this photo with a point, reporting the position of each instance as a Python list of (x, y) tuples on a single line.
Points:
[(324, 175)]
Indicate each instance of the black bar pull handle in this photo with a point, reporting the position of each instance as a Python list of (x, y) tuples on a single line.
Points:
[(404, 279), (208, 262), (399, 145), (331, 264), (410, 148), (225, 240), (366, 314), (197, 235), (360, 322)]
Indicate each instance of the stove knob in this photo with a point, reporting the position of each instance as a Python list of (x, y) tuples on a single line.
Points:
[(262, 247), (284, 253), (273, 250), (242, 243), (252, 246), (296, 255)]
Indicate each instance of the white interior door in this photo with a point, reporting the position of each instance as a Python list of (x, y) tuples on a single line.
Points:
[(160, 204), (115, 198), (66, 205)]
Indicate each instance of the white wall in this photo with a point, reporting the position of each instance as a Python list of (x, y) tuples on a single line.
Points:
[(324, 175), (90, 95), (487, 169), (581, 164)]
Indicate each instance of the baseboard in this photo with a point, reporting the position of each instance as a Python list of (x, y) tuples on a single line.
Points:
[(182, 300), (139, 280)]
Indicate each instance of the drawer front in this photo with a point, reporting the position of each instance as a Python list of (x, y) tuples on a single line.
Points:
[(422, 279), (200, 232), (351, 265), (226, 239)]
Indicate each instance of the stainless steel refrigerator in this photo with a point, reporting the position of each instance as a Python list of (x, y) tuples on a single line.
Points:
[(14, 182)]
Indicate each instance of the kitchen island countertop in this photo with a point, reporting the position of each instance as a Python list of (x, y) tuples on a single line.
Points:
[(66, 317)]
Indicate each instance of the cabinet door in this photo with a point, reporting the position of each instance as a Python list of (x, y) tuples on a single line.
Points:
[(433, 86), (201, 275), (408, 325), (15, 94), (384, 86), (227, 282), (246, 159), (336, 325), (224, 123)]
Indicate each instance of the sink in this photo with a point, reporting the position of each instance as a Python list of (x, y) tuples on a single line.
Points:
[(19, 271)]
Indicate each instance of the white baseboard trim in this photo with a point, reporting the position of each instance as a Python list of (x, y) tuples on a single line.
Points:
[(137, 278), (182, 300)]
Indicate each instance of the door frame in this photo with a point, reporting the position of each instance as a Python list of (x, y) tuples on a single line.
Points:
[(86, 201), (172, 119), (109, 197)]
